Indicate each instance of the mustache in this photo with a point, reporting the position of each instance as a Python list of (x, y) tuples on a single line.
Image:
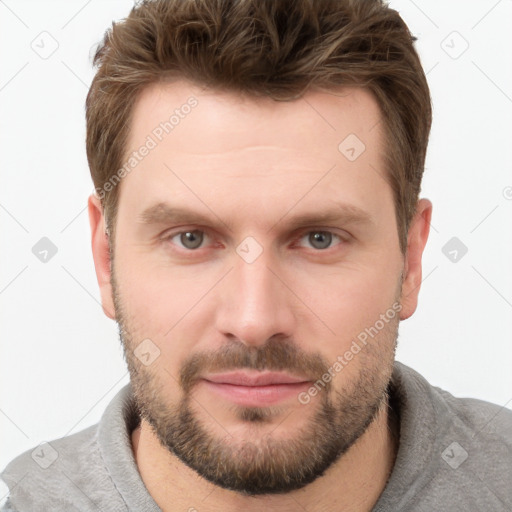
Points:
[(275, 355)]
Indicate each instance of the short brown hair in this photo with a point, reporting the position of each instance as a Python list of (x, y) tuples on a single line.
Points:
[(278, 49)]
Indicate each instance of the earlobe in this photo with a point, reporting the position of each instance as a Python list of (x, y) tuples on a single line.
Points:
[(101, 254), (416, 240)]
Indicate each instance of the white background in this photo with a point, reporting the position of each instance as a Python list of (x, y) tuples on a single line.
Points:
[(61, 360)]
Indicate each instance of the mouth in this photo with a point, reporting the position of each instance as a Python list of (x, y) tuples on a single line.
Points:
[(255, 389)]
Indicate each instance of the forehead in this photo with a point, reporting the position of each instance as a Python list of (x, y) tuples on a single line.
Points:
[(258, 152), (239, 120)]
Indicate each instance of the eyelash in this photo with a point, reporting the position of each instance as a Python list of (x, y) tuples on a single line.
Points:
[(170, 236)]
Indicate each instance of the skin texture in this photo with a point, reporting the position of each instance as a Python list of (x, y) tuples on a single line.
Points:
[(250, 166)]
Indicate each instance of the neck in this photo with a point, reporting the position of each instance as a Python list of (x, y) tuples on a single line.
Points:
[(353, 484)]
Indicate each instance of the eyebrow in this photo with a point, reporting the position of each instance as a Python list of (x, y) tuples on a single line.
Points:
[(163, 213)]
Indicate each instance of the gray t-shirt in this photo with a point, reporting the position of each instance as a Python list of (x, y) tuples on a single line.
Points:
[(455, 454)]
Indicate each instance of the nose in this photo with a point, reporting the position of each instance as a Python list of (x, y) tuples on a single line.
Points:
[(254, 304)]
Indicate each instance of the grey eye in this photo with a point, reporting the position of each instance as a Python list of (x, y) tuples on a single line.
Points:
[(191, 239), (320, 239)]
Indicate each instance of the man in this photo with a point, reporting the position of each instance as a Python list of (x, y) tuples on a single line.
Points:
[(257, 234)]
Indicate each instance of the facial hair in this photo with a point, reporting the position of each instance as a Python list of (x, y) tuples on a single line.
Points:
[(260, 465)]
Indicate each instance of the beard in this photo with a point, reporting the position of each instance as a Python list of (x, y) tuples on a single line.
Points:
[(261, 463)]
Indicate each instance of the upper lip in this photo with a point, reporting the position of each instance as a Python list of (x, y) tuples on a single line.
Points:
[(243, 378)]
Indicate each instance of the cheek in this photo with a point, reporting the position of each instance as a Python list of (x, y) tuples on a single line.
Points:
[(150, 288), (163, 304), (146, 302), (362, 310), (349, 300)]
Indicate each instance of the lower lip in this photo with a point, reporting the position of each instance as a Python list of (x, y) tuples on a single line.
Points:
[(257, 396)]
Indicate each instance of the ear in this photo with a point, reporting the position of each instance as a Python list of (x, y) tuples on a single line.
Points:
[(101, 255), (416, 241)]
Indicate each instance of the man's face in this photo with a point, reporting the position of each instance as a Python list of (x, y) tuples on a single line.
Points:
[(291, 254)]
